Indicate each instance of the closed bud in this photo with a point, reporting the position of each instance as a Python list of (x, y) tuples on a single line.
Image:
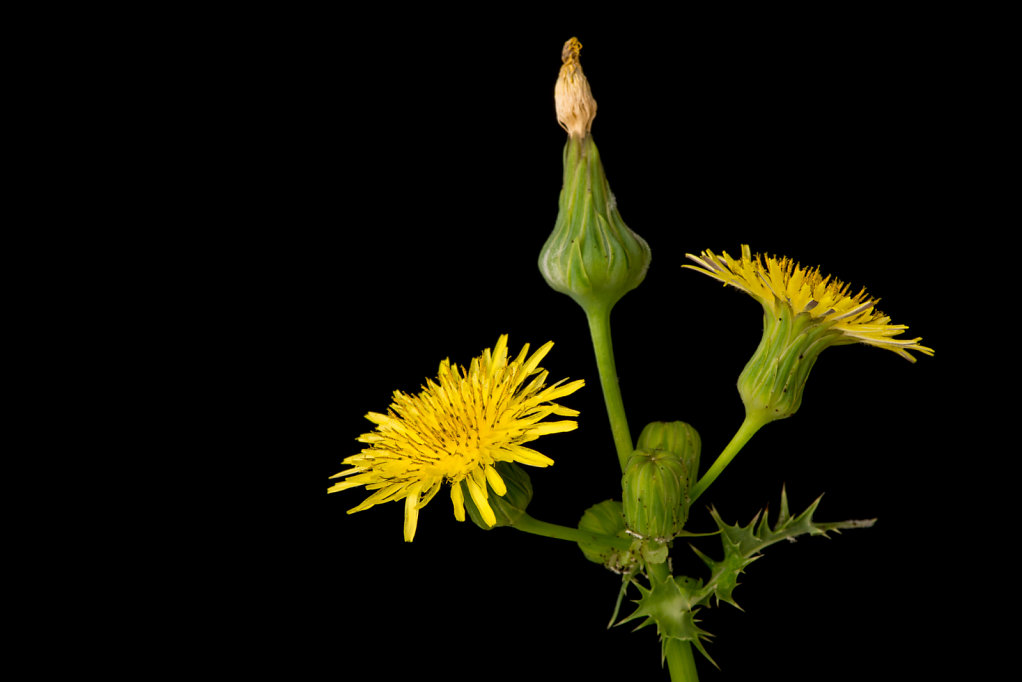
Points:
[(606, 520), (676, 437), (508, 506), (655, 494), (591, 255)]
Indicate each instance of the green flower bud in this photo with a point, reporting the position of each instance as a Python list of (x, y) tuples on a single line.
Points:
[(591, 255), (655, 494), (678, 438), (510, 506), (606, 519)]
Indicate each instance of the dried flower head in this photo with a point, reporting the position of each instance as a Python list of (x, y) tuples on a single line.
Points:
[(576, 107)]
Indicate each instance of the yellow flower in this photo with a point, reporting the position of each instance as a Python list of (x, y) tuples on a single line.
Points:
[(784, 283), (455, 430), (803, 313)]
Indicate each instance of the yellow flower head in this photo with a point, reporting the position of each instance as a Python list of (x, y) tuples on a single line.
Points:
[(803, 313), (785, 284), (455, 430)]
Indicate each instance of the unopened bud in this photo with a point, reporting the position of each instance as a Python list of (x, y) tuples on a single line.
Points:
[(676, 437), (654, 494), (606, 520)]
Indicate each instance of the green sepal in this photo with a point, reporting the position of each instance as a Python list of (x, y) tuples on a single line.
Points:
[(671, 603), (510, 506)]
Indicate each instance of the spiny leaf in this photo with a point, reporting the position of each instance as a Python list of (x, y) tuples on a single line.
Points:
[(724, 575), (669, 603), (743, 544)]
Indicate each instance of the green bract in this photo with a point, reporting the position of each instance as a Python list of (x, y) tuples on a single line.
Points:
[(510, 506), (774, 378)]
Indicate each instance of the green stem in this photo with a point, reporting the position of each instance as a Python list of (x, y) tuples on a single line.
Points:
[(753, 422), (680, 662), (599, 330), (658, 572), (528, 524)]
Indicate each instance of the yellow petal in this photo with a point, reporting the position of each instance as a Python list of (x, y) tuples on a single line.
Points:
[(479, 497), (495, 481), (458, 500), (412, 512)]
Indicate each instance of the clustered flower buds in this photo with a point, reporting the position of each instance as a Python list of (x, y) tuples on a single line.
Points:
[(657, 479)]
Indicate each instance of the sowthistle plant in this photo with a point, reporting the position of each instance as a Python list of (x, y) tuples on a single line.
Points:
[(471, 430)]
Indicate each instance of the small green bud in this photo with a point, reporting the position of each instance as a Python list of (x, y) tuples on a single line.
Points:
[(510, 506), (676, 437), (606, 519), (655, 494), (591, 255)]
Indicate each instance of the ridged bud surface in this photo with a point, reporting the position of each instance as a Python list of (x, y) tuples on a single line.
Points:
[(654, 494), (676, 437), (591, 255)]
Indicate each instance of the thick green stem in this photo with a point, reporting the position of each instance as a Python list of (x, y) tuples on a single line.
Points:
[(599, 329), (659, 571), (528, 524), (680, 662), (753, 422)]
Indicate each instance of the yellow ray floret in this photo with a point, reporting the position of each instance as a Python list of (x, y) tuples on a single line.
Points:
[(783, 282), (455, 430)]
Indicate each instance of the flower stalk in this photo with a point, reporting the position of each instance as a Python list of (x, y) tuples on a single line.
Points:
[(680, 662), (752, 423), (603, 347), (528, 524)]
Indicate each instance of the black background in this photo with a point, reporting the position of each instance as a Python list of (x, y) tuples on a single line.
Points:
[(245, 227), (423, 173)]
